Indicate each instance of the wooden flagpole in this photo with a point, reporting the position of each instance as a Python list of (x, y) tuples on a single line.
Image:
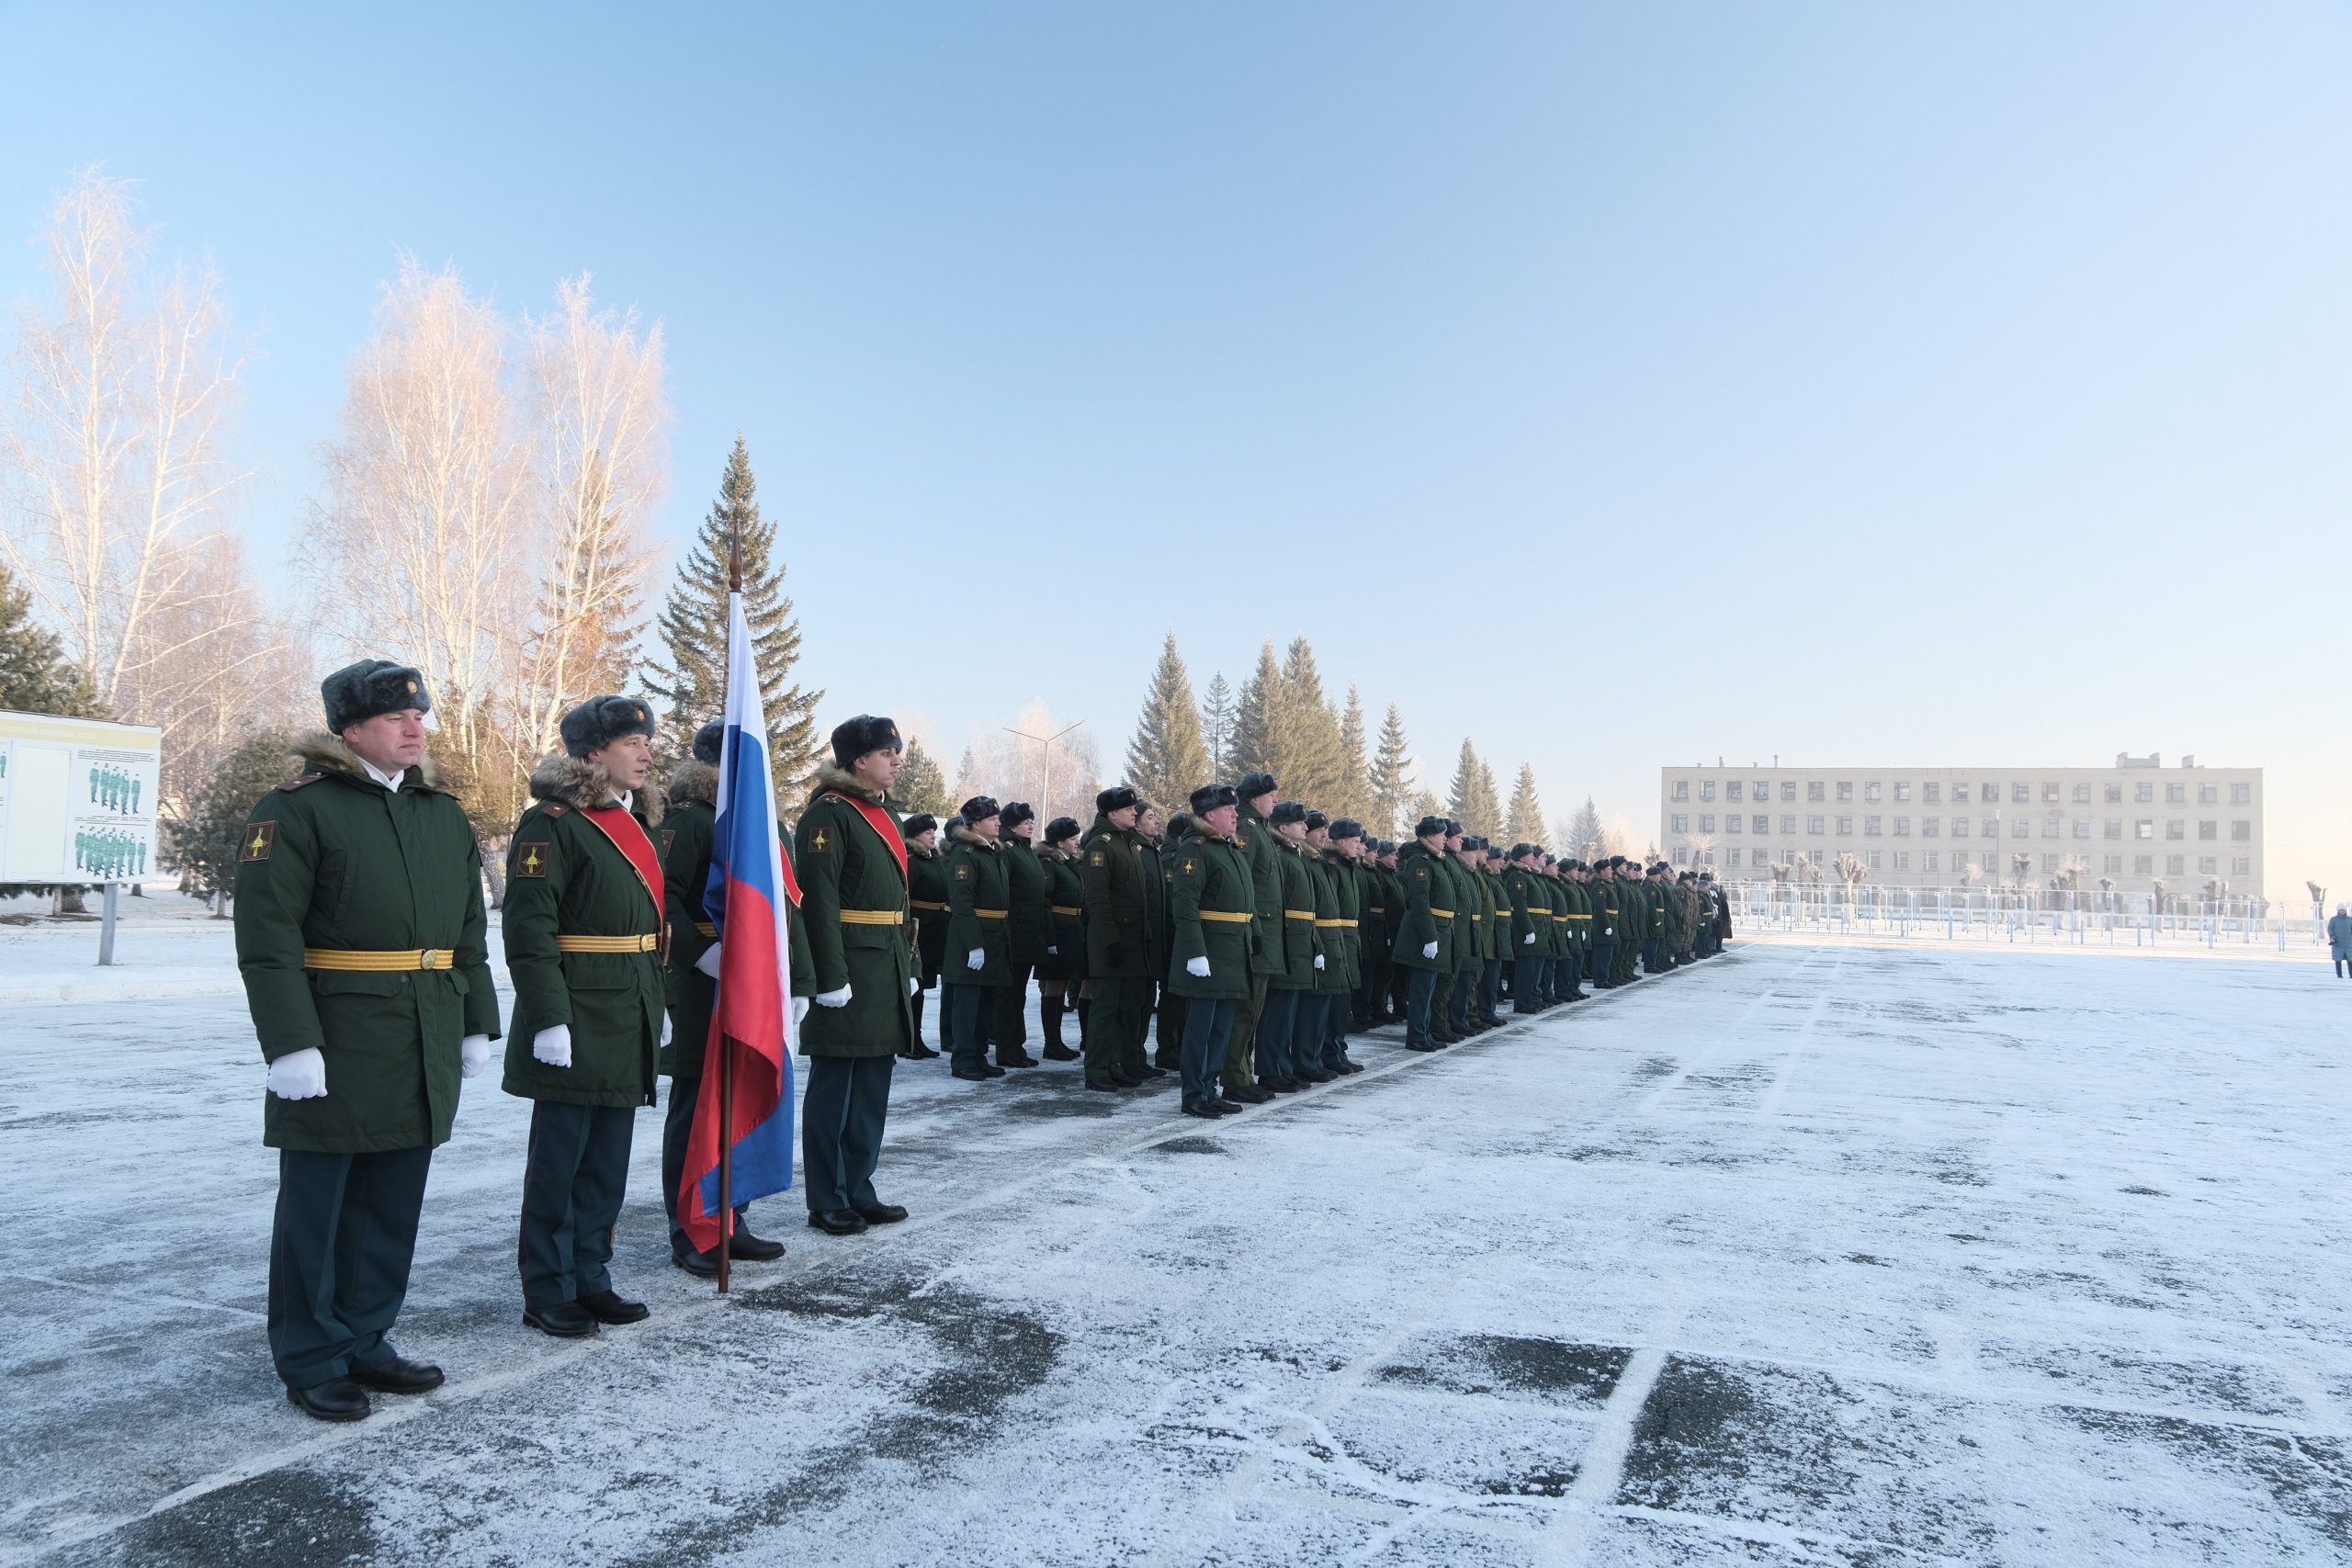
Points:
[(726, 1053)]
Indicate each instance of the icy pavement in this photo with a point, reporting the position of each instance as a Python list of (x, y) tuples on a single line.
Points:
[(1835, 1255)]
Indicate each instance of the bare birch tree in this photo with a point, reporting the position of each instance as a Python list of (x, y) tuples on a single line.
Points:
[(124, 382)]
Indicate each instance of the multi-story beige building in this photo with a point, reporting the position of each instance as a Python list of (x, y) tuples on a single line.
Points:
[(2129, 826)]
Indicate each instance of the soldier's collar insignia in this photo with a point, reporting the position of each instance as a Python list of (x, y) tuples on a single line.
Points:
[(260, 838)]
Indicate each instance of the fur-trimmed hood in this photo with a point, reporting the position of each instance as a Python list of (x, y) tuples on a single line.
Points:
[(584, 785), (1054, 852), (692, 782), (966, 836), (320, 753), (849, 784)]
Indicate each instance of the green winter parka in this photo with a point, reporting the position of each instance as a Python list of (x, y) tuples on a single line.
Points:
[(1212, 906), (853, 906), (1118, 885), (1427, 908), (684, 839), (979, 911)]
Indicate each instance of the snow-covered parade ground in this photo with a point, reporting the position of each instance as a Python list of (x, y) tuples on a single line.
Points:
[(1815, 1255)]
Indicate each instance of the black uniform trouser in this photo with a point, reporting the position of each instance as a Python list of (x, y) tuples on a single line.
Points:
[(1490, 980), (339, 1252), (1114, 1029), (841, 1114), (1270, 1044), (1009, 1016), (1567, 975), (1527, 983), (964, 1021), (677, 1129), (1420, 993), (1208, 1036), (1170, 1051), (574, 1177), (1604, 963)]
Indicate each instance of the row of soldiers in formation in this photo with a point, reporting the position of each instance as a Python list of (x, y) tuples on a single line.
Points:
[(1256, 932), (1323, 930)]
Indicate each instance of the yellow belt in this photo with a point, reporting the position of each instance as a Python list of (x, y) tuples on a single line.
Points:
[(376, 962), (1069, 910), (1576, 917), (1562, 920), (1299, 914), (706, 928), (927, 904), (648, 943), (873, 917), (1443, 914), (993, 914), (1229, 915), (1477, 917), (1344, 925), (1379, 908)]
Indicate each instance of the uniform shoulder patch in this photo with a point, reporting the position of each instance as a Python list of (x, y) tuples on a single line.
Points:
[(294, 784), (531, 858), (1189, 867), (1421, 874), (260, 838), (551, 809), (1096, 858), (818, 842), (962, 874)]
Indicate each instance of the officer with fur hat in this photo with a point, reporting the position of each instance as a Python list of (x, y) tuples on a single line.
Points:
[(1062, 969), (1255, 837), (1212, 911), (927, 892), (1118, 885), (583, 921), (1299, 947), (979, 962), (361, 939), (852, 867), (692, 976), (1028, 932), (1425, 933)]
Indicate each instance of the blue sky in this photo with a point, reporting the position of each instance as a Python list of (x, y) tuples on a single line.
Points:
[(1612, 385)]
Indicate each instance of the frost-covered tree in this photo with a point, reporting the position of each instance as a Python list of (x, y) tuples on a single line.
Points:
[(1167, 758)]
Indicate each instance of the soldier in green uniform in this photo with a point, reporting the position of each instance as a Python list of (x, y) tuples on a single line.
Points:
[(1367, 1009), (979, 901), (1118, 880), (1577, 910), (1494, 939), (1342, 846), (1601, 895), (1529, 927), (582, 927), (1462, 956), (1257, 840), (360, 936), (692, 979), (1395, 986), (1139, 1063), (1169, 1050), (1424, 934), (1665, 920), (1062, 970), (853, 873), (1212, 910), (1299, 952), (1028, 931), (927, 897)]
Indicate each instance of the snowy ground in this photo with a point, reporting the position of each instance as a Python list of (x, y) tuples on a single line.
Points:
[(1817, 1255)]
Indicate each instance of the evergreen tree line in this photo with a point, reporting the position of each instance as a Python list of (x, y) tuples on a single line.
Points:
[(1283, 721)]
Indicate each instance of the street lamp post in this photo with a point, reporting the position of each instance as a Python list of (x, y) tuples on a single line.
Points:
[(1045, 800)]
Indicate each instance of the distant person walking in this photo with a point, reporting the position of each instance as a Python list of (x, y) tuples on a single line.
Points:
[(2339, 940)]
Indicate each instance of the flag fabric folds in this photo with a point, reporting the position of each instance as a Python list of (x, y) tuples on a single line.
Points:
[(748, 898)]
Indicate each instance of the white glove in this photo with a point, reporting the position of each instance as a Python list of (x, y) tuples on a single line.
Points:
[(1319, 961), (473, 1052), (914, 985), (1528, 941), (833, 998), (1429, 951), (1198, 968), (665, 1028), (976, 959), (799, 1006), (1608, 930), (709, 961), (553, 1045), (300, 1075), (1053, 952)]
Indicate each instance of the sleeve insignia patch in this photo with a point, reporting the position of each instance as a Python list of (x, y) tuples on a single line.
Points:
[(817, 843), (531, 860), (962, 874), (260, 838), (1422, 875), (1191, 865), (1096, 858), (669, 837)]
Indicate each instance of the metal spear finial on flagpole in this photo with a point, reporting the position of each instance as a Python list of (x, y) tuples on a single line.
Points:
[(725, 1052)]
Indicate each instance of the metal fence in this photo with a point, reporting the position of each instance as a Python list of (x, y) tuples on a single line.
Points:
[(2032, 915)]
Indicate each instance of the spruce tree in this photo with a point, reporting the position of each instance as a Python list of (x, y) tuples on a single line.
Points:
[(1524, 824), (692, 624), (1168, 759), (1257, 714), (1586, 839), (35, 676), (920, 786), (209, 837), (1354, 797), (1491, 799), (1216, 726), (1308, 735), (1472, 801), (1390, 778)]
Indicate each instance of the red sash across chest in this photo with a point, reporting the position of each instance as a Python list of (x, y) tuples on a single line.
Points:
[(629, 837), (884, 828)]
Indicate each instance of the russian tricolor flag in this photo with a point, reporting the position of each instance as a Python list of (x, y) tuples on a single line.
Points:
[(750, 896)]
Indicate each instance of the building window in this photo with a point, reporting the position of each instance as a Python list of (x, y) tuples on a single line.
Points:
[(2176, 828), (2144, 793), (1959, 829), (1902, 827), (2241, 865), (1678, 823), (2021, 792), (2175, 866), (2115, 865), (2208, 831), (2143, 866), (2049, 794), (1731, 821), (1816, 790), (1788, 824), (1845, 827), (2241, 831), (2175, 795), (2082, 794), (2208, 864), (1874, 791), (1706, 821), (1932, 793), (2241, 794), (2143, 829), (1816, 824), (1870, 827), (1762, 790), (2114, 828), (1731, 790), (2049, 825), (1759, 823), (2049, 865), (1927, 862), (1873, 858), (1989, 793), (1928, 826), (2021, 829), (1681, 790), (1902, 792), (2115, 797), (1788, 789), (2082, 826), (2209, 794), (1845, 789), (1706, 789), (1903, 860)]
